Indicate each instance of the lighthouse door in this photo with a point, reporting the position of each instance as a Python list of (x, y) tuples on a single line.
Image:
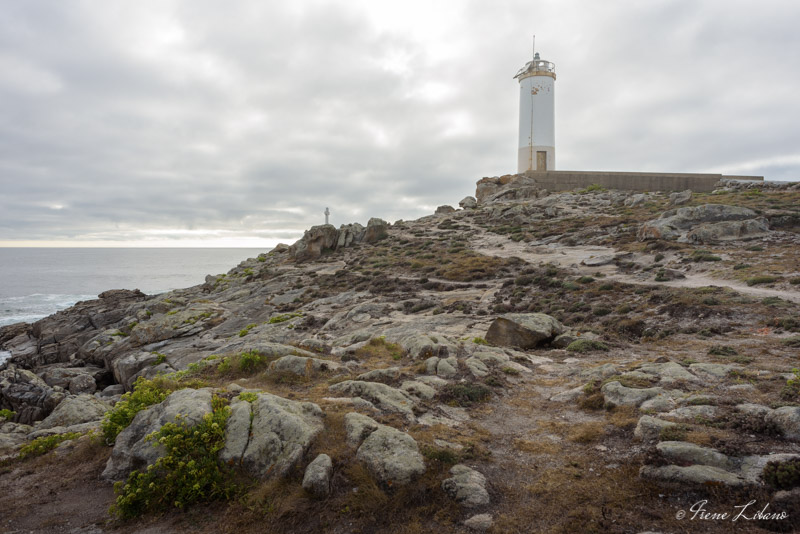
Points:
[(541, 160)]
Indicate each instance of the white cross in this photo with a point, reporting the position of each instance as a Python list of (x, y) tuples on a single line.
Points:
[(327, 212)]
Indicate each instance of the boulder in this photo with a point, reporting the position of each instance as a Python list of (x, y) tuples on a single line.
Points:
[(358, 427), (418, 389), (61, 376), (385, 398), (523, 330), (676, 224), (479, 522), (617, 394), (317, 478), (679, 198), (445, 210), (728, 231), (377, 229), (649, 428), (302, 366), (314, 243), (468, 203), (349, 234), (127, 367), (132, 451), (447, 367), (635, 200), (391, 456), (82, 384), (787, 418), (75, 410), (270, 435), (384, 375), (467, 487)]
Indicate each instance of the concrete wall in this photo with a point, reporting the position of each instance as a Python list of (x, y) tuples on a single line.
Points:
[(633, 181)]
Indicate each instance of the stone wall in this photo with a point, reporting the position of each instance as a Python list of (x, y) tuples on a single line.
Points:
[(634, 181)]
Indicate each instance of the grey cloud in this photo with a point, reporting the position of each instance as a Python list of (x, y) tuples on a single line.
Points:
[(251, 117)]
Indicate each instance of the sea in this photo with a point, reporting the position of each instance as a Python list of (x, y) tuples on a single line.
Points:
[(36, 282)]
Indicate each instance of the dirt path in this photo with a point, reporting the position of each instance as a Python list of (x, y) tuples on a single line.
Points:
[(572, 257)]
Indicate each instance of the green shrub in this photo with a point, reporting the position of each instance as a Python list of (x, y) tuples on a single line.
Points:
[(45, 444), (586, 345), (464, 394), (764, 279), (378, 347), (673, 433), (585, 280), (795, 281), (248, 396), (740, 266), (592, 188), (283, 317), (479, 341), (8, 414), (703, 255), (251, 361), (145, 393), (444, 456), (791, 390), (782, 475), (188, 472), (793, 341), (722, 350), (160, 358), (246, 330)]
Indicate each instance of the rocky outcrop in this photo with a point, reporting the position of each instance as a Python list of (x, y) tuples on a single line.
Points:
[(508, 187), (269, 436), (391, 456), (523, 330), (315, 241), (133, 451), (324, 238), (468, 203), (705, 224), (26, 394)]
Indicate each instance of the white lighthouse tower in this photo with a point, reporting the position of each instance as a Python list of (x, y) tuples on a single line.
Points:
[(537, 135)]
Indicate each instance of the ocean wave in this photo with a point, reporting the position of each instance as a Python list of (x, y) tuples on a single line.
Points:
[(4, 356), (36, 306)]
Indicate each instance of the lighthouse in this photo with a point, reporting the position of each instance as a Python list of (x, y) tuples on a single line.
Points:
[(537, 136)]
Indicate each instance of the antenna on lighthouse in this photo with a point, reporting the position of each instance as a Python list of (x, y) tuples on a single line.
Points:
[(534, 47)]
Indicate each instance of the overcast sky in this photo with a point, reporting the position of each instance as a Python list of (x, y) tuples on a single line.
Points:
[(202, 122)]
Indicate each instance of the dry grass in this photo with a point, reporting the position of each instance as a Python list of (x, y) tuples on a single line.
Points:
[(536, 447), (586, 432)]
